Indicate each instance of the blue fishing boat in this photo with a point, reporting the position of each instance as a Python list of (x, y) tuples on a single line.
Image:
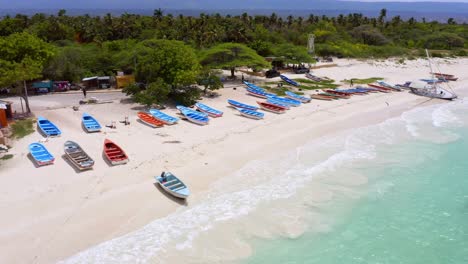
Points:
[(250, 113), (48, 128), (253, 86), (161, 116), (194, 116), (284, 100), (90, 123), (258, 93), (294, 96), (208, 110), (286, 79), (188, 110), (236, 104), (278, 103), (40, 154), (172, 185)]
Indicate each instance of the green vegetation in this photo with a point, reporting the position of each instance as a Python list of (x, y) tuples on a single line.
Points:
[(7, 157), (363, 81), (22, 58), (232, 55), (169, 54), (22, 128)]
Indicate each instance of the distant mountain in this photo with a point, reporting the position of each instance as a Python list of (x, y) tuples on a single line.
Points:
[(430, 10)]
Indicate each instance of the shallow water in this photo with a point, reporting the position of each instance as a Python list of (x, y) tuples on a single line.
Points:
[(396, 192)]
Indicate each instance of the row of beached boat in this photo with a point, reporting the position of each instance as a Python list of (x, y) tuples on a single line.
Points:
[(77, 156)]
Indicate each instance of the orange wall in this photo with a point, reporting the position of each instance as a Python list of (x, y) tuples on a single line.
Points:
[(3, 118)]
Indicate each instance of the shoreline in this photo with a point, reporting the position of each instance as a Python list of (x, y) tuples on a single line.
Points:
[(88, 208)]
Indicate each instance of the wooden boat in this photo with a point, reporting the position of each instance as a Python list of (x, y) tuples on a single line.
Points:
[(161, 116), (286, 79), (48, 128), (90, 123), (208, 110), (78, 156), (271, 107), (194, 116), (149, 120), (250, 113), (236, 104), (114, 153), (321, 97), (183, 109), (40, 154), (172, 185), (289, 101), (295, 96), (278, 103)]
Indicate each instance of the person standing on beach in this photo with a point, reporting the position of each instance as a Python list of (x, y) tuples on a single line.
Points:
[(84, 91), (351, 83)]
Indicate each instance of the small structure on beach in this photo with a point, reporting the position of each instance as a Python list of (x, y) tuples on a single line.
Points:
[(123, 81), (5, 113), (97, 82)]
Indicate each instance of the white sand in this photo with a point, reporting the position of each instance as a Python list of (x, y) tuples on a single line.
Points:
[(52, 212)]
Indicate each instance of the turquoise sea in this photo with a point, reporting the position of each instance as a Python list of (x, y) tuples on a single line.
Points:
[(395, 192)]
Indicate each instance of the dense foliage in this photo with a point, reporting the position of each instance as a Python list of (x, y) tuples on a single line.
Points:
[(164, 50)]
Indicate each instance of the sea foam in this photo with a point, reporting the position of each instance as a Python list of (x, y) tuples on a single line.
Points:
[(266, 198)]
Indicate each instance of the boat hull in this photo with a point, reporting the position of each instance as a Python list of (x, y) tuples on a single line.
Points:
[(173, 185), (48, 128), (77, 156), (149, 120), (90, 124), (163, 117), (40, 154), (114, 154)]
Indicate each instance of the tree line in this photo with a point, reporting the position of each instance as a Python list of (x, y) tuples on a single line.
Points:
[(72, 47)]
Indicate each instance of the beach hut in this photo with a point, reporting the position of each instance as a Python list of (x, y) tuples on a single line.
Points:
[(99, 82)]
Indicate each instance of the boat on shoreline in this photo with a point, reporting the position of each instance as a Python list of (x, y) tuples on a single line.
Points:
[(40, 154), (163, 117), (272, 107), (431, 90), (284, 100), (251, 113), (321, 97), (287, 80), (114, 154), (387, 85), (48, 128), (208, 110), (298, 97), (172, 185), (237, 104), (278, 103), (78, 157), (149, 120), (90, 123), (193, 116), (258, 93)]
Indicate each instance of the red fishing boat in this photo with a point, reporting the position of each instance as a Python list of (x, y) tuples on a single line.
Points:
[(149, 120), (114, 153), (272, 107)]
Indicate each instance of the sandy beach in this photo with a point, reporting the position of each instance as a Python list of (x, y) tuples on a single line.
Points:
[(53, 212)]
